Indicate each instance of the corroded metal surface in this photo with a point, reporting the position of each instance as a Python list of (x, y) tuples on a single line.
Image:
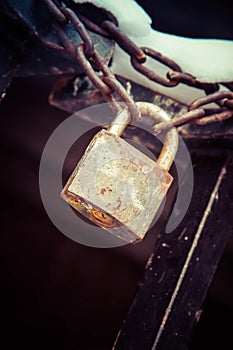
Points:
[(117, 187)]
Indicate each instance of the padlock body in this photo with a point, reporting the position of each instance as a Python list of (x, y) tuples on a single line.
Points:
[(117, 187)]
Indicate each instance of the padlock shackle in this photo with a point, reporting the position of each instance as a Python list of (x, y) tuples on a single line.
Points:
[(171, 140), (157, 114), (120, 122)]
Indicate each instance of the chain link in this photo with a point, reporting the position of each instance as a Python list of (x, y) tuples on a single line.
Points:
[(124, 42), (190, 80), (78, 25), (55, 11), (151, 74), (105, 81)]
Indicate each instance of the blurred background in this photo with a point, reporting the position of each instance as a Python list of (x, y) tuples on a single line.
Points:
[(55, 292)]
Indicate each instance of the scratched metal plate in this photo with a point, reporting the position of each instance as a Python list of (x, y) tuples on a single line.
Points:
[(45, 55)]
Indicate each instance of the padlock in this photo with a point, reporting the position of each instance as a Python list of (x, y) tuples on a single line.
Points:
[(118, 187)]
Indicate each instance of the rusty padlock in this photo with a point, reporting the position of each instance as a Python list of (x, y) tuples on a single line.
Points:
[(118, 187)]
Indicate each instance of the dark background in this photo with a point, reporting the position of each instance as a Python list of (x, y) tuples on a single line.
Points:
[(55, 292)]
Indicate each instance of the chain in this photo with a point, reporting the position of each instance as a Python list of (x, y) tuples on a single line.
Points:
[(106, 82)]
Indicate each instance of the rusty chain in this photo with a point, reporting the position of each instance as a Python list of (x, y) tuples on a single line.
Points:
[(89, 59), (106, 82)]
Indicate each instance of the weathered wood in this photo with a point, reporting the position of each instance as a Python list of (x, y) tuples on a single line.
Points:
[(178, 274)]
